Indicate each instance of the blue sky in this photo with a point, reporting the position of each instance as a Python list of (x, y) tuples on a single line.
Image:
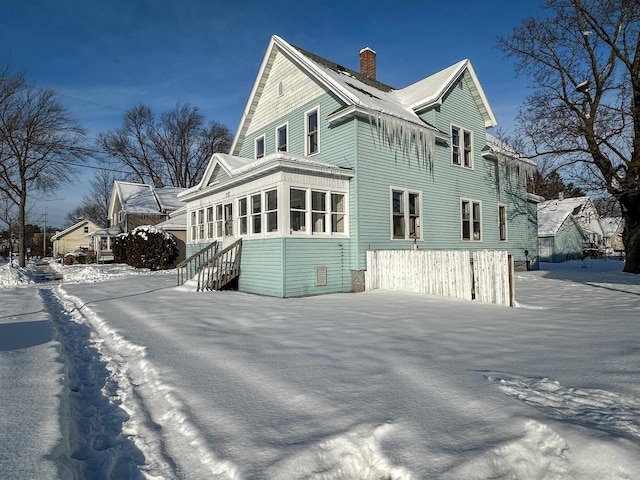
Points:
[(106, 56)]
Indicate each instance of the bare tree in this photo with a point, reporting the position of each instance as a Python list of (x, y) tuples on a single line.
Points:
[(584, 59), (95, 204), (175, 150), (37, 138)]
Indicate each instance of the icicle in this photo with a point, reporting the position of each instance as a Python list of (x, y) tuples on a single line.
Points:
[(410, 138)]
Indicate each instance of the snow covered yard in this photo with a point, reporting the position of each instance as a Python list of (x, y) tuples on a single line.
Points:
[(155, 381)]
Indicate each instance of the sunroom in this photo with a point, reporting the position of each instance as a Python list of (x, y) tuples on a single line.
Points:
[(292, 213)]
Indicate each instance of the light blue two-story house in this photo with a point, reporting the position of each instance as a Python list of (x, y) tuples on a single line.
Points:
[(328, 163)]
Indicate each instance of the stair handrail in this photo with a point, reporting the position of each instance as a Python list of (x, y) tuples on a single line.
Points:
[(220, 269), (190, 266)]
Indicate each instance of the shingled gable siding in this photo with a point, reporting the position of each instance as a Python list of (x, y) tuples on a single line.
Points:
[(297, 90)]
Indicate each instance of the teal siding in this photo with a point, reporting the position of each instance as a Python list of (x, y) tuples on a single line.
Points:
[(442, 185), (286, 267), (303, 255), (261, 267), (336, 143), (567, 244)]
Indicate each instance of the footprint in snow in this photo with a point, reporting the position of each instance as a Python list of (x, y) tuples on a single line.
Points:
[(611, 412)]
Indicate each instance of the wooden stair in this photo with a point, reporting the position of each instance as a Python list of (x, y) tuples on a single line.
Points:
[(220, 270)]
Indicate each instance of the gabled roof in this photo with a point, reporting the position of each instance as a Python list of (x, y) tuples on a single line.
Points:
[(363, 94), (430, 91), (550, 219), (552, 213), (72, 228), (611, 225), (573, 205), (142, 198), (239, 167)]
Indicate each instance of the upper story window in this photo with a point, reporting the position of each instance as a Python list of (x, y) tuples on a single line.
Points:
[(312, 131), (461, 147), (86, 229), (471, 220), (502, 222), (405, 213), (281, 138), (259, 147)]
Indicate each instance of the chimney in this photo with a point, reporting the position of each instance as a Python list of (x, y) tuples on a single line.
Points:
[(561, 196), (368, 62)]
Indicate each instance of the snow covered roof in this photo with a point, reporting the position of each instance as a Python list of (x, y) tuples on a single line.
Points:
[(142, 198), (111, 231), (366, 94), (497, 147), (611, 225), (236, 167), (553, 213), (177, 222), (550, 220)]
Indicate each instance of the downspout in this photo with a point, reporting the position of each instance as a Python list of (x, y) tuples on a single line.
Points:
[(356, 197)]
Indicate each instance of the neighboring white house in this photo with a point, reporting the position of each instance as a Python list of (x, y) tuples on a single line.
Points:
[(613, 227), (585, 213)]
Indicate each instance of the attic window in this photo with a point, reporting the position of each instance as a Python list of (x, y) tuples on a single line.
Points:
[(280, 89), (362, 90)]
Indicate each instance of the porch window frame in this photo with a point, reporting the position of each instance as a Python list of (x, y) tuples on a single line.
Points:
[(328, 213)]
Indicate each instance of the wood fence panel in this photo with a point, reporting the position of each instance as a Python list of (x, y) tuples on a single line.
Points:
[(444, 273), (492, 279)]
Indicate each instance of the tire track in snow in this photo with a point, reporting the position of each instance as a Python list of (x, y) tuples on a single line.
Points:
[(159, 423), (611, 412)]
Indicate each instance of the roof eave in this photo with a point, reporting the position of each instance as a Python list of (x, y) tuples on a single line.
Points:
[(362, 112)]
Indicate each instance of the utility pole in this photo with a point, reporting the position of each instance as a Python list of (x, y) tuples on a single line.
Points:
[(44, 235)]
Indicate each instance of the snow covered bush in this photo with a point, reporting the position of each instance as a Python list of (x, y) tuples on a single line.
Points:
[(147, 247)]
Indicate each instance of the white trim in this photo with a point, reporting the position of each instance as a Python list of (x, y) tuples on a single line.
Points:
[(286, 143), (315, 109), (255, 147), (406, 214), (461, 146), (471, 220), (308, 211), (506, 223)]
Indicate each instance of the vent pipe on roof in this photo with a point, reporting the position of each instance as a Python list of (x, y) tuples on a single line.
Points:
[(368, 62)]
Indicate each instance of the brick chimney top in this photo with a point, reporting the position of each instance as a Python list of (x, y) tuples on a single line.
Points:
[(368, 62)]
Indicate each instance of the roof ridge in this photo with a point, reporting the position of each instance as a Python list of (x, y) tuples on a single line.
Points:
[(383, 87)]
